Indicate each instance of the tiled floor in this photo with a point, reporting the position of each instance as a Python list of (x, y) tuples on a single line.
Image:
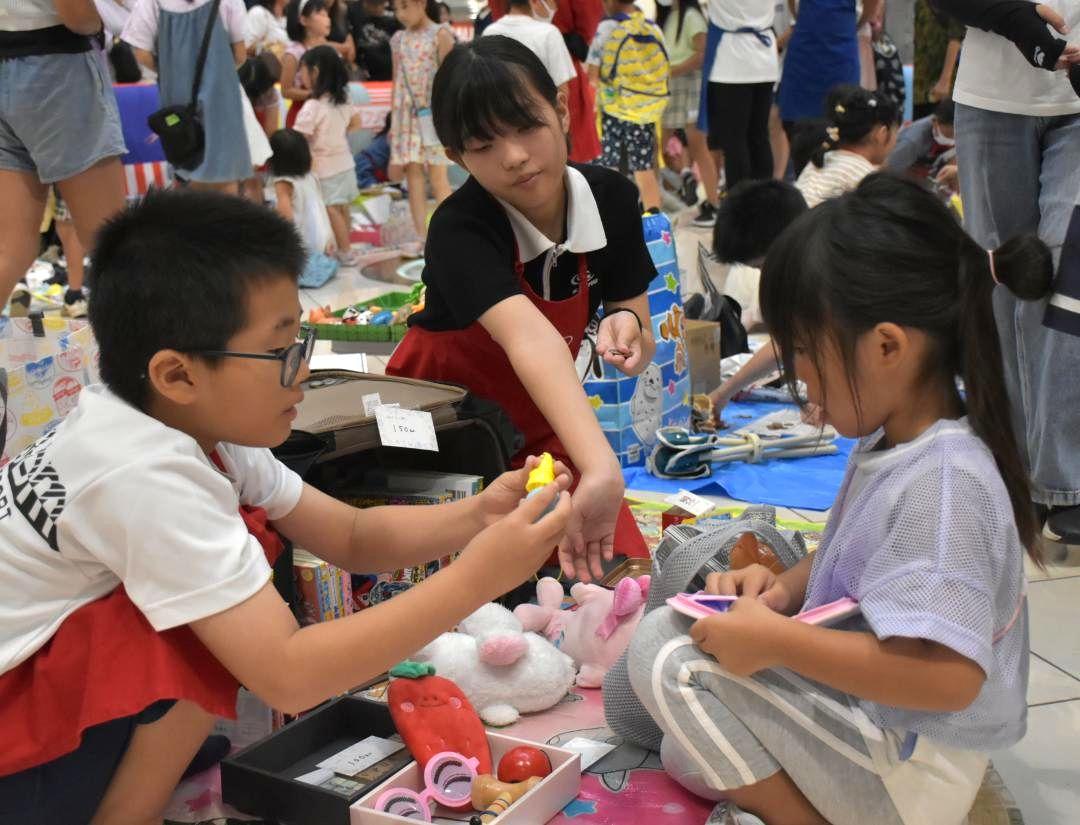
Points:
[(1042, 771)]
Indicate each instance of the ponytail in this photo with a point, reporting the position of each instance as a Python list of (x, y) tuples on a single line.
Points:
[(1024, 266), (851, 114), (890, 252)]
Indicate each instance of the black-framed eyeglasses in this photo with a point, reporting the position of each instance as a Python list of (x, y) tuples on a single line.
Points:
[(291, 357)]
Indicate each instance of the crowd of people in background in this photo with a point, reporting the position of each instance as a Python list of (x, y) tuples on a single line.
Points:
[(689, 105)]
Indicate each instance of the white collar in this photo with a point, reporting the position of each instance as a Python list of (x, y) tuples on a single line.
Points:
[(584, 229)]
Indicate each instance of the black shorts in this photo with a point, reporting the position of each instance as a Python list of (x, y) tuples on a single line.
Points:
[(68, 790), (635, 141)]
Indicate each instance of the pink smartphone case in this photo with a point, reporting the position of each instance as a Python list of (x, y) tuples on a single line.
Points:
[(689, 604)]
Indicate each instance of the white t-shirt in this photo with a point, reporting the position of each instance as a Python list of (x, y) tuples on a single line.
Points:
[(743, 58), (543, 39), (309, 212), (27, 15), (114, 17), (994, 76), (263, 30), (142, 27), (841, 173), (114, 496)]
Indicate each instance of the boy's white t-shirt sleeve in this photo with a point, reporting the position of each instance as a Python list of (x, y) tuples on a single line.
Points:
[(263, 480), (141, 28), (557, 58), (181, 548)]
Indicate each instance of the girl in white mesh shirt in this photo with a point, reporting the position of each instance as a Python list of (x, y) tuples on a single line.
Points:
[(879, 301)]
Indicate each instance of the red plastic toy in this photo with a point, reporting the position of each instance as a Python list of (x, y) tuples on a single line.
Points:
[(432, 715), (518, 764)]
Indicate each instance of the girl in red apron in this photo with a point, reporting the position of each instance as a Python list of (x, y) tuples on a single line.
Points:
[(519, 260)]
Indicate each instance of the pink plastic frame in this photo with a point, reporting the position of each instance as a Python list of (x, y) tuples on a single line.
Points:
[(435, 788), (689, 604)]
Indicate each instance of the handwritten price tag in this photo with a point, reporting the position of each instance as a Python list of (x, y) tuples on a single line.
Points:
[(695, 505), (411, 429)]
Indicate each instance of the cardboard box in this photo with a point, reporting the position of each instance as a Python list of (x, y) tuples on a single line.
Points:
[(539, 805), (261, 780), (703, 353)]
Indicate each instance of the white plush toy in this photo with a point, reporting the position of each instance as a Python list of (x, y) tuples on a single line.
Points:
[(504, 671)]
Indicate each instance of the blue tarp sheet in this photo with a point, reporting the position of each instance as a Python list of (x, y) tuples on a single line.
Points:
[(799, 483)]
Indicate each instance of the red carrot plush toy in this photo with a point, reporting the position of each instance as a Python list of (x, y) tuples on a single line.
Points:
[(432, 715)]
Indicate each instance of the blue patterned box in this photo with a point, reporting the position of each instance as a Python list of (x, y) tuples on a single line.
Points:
[(632, 409)]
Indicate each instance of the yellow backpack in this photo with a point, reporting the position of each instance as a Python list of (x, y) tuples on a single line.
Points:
[(634, 70)]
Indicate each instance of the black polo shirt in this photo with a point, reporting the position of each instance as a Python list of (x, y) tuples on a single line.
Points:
[(470, 250)]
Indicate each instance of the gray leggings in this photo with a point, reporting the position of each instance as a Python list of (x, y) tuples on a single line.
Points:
[(722, 732)]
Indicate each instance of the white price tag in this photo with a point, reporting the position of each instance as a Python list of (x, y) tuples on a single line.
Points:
[(695, 505), (412, 429), (370, 403), (362, 755)]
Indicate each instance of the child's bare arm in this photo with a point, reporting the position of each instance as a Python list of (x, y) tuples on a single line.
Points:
[(80, 16), (289, 69), (900, 672), (145, 58), (761, 363), (293, 668), (444, 42), (390, 538), (542, 362), (283, 196)]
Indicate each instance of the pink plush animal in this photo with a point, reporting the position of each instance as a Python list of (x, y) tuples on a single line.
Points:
[(597, 631)]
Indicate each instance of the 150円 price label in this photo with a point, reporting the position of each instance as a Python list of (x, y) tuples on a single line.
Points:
[(410, 429)]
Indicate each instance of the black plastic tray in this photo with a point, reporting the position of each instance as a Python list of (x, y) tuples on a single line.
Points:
[(259, 780)]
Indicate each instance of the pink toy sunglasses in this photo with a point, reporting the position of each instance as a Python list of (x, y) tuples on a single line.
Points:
[(448, 778)]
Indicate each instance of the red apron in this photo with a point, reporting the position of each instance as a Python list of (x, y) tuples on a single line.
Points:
[(584, 139), (107, 662), (471, 358), (581, 16)]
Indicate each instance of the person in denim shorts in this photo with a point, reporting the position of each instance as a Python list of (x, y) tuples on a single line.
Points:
[(58, 125)]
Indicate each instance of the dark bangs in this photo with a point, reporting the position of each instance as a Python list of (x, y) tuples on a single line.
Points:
[(796, 295), (486, 87)]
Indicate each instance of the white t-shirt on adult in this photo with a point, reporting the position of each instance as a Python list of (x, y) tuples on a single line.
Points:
[(114, 496), (142, 27), (543, 39), (743, 58), (262, 30), (994, 76), (27, 15)]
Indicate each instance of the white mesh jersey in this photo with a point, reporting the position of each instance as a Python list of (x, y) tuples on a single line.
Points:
[(923, 535)]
